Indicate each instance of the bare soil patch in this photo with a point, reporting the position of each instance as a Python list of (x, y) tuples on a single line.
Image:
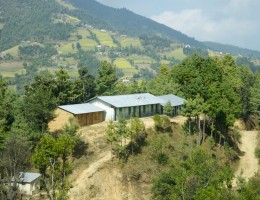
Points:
[(248, 163)]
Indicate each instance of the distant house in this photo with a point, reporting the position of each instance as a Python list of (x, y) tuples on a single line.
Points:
[(28, 183), (126, 106), (176, 102), (85, 114)]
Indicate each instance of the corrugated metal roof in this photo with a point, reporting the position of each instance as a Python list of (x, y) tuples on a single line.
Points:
[(175, 100), (130, 100), (81, 108), (27, 177)]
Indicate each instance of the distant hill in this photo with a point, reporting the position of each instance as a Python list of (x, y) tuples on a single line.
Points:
[(39, 21), (30, 20), (231, 49), (130, 23)]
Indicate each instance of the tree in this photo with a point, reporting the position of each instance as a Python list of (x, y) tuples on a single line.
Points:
[(39, 105), (163, 83), (106, 78), (78, 46), (51, 158), (193, 178), (255, 100), (250, 190), (136, 132), (168, 109), (15, 158), (84, 86), (162, 123), (62, 90), (111, 134)]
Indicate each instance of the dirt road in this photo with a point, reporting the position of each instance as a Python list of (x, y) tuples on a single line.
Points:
[(248, 163)]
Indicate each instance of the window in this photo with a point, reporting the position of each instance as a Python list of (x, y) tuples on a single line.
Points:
[(129, 111)]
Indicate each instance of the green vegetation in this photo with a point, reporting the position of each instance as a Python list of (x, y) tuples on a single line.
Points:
[(122, 63), (104, 38), (217, 93), (130, 41), (53, 56)]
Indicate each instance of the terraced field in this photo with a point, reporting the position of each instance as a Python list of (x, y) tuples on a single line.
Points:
[(104, 38), (72, 18), (123, 63), (177, 53), (141, 59), (129, 41), (9, 69), (126, 67), (66, 48), (13, 51)]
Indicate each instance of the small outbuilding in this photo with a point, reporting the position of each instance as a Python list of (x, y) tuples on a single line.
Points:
[(28, 183), (176, 102), (127, 106), (85, 114)]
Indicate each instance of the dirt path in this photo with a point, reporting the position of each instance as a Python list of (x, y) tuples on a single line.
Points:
[(248, 163), (84, 176)]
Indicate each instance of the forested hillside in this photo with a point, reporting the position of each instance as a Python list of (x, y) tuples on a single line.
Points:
[(122, 19), (30, 20)]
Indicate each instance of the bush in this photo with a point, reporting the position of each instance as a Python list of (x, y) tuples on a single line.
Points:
[(162, 123), (257, 154)]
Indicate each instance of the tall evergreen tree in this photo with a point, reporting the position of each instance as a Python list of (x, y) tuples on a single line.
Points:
[(106, 79)]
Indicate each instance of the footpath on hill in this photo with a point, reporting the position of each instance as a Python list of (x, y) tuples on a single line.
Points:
[(99, 180), (248, 163)]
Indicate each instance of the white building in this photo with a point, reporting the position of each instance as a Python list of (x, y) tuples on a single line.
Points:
[(28, 183), (127, 106), (176, 102)]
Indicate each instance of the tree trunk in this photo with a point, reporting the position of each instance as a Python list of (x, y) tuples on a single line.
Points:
[(204, 124), (211, 129), (219, 139), (52, 178), (199, 132)]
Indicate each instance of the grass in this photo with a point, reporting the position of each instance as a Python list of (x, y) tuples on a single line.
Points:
[(9, 69), (87, 44), (104, 38), (73, 18), (123, 63), (141, 59), (66, 4), (165, 62), (129, 41), (66, 48), (13, 51), (129, 72), (1, 26), (178, 54), (83, 32)]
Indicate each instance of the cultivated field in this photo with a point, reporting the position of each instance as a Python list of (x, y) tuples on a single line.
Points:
[(9, 69)]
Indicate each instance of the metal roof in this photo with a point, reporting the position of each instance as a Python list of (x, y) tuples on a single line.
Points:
[(81, 108), (27, 177), (130, 100), (175, 100)]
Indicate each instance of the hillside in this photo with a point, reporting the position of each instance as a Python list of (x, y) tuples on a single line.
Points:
[(231, 49), (130, 23), (36, 36)]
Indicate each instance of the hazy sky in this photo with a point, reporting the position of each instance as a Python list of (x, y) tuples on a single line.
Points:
[(235, 22)]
